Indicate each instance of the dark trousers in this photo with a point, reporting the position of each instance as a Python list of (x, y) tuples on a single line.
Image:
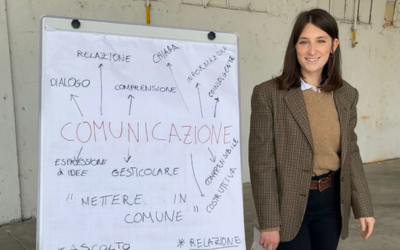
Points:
[(321, 226)]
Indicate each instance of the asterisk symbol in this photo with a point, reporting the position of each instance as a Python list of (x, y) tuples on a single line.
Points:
[(181, 242)]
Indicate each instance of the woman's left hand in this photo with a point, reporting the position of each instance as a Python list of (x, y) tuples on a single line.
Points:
[(367, 226)]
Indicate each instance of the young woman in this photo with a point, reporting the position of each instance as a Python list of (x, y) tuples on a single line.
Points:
[(305, 166)]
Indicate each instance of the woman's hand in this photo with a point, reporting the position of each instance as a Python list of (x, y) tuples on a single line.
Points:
[(367, 226), (269, 240)]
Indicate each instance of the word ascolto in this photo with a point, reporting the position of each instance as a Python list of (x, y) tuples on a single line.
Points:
[(114, 246)]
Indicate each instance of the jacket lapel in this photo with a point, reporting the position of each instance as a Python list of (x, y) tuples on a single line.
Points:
[(344, 116), (295, 101)]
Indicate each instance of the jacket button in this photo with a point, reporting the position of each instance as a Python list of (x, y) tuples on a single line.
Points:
[(342, 201), (342, 179)]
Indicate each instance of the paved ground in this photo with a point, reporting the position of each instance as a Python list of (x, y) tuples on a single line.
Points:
[(384, 182)]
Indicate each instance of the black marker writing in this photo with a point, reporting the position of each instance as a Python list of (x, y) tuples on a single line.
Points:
[(176, 83), (212, 156), (101, 246), (80, 162), (218, 167), (129, 157), (182, 198), (112, 200), (77, 172), (222, 77), (221, 190), (130, 97), (101, 88), (146, 88), (216, 242), (154, 217), (198, 92), (194, 175), (113, 57), (144, 172), (203, 66), (79, 154), (164, 53), (215, 109), (69, 82), (73, 98)]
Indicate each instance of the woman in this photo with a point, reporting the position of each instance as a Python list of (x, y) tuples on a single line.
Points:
[(305, 166)]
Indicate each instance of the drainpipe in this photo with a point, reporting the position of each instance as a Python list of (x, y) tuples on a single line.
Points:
[(148, 12)]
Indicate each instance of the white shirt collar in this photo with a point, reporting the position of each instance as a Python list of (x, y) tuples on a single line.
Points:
[(305, 86)]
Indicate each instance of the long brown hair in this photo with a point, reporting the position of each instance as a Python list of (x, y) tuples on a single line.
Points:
[(331, 78)]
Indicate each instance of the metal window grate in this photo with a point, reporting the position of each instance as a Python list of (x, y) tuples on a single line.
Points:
[(342, 10), (243, 5)]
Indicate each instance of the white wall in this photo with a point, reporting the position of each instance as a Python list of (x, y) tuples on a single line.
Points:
[(372, 66), (10, 203)]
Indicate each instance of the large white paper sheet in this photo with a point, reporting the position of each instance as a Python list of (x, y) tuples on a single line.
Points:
[(140, 143)]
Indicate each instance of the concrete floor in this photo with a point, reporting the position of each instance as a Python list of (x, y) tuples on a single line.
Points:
[(384, 182)]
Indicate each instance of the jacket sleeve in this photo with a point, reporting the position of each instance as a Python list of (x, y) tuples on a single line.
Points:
[(360, 195), (262, 160)]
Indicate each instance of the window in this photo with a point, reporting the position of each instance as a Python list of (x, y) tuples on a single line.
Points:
[(392, 13), (342, 10)]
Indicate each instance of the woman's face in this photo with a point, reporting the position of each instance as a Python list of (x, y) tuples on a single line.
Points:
[(313, 50)]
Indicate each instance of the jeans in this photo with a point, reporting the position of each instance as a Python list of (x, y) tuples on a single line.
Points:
[(322, 223)]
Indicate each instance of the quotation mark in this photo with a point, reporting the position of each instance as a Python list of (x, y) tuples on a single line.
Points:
[(69, 197)]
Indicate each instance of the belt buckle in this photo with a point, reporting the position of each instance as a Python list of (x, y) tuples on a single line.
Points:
[(320, 188)]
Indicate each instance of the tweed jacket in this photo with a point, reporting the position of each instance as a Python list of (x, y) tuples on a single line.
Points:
[(281, 158)]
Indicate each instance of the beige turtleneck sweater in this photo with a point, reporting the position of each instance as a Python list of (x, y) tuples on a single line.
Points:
[(325, 130)]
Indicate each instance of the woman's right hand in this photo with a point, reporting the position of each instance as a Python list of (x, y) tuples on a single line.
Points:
[(269, 240)]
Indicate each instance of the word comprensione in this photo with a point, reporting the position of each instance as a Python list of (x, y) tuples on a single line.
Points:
[(95, 131)]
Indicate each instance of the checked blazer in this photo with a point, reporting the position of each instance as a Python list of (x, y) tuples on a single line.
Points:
[(281, 158)]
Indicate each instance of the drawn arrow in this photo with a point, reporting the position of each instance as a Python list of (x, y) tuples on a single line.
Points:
[(194, 174), (129, 157), (169, 65), (212, 156), (216, 102), (130, 105), (77, 158), (198, 91), (73, 98), (101, 88)]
